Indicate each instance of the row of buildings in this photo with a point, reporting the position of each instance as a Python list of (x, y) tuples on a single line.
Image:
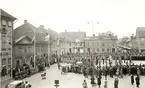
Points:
[(27, 42)]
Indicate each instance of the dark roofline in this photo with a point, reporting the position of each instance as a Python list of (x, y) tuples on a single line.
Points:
[(5, 14)]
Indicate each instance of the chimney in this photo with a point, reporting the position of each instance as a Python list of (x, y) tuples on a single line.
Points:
[(25, 21), (41, 26), (65, 30)]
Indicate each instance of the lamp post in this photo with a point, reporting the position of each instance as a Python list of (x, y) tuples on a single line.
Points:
[(47, 38), (93, 23), (34, 39)]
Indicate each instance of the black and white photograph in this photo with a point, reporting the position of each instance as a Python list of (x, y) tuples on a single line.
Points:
[(72, 43)]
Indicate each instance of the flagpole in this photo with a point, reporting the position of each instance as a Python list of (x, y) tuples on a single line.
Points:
[(138, 41), (34, 47)]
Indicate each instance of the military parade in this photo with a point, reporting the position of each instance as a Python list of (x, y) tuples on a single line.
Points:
[(72, 44)]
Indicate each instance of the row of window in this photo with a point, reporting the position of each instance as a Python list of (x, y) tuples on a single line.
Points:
[(5, 61), (79, 44), (103, 50), (9, 23), (98, 44)]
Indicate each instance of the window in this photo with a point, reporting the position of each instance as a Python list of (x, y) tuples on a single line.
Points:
[(93, 49), (103, 44), (20, 47), (142, 39), (20, 85), (88, 43), (113, 50), (4, 22), (103, 49), (70, 50), (4, 61), (9, 23), (107, 49), (25, 50), (4, 31), (9, 60), (81, 44), (98, 43), (78, 49), (98, 50), (88, 50)]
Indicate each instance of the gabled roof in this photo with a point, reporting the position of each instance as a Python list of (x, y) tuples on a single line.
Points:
[(29, 30), (101, 38), (28, 26), (72, 36), (5, 14), (21, 38), (53, 34), (140, 32)]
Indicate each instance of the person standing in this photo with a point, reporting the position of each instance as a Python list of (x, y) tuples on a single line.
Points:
[(105, 84), (137, 81), (85, 84), (132, 79), (93, 82), (116, 83), (99, 81)]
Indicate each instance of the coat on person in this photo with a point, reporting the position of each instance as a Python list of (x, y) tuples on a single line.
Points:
[(85, 84), (137, 81), (99, 81), (132, 79), (105, 84), (116, 83)]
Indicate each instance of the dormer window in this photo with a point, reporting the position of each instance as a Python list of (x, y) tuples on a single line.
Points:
[(9, 23), (4, 22)]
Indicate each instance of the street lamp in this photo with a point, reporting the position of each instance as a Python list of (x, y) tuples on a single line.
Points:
[(47, 38), (93, 22), (34, 39)]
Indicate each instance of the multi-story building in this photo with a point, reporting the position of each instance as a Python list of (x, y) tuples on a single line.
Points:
[(140, 36), (73, 42), (6, 42), (137, 41), (103, 43), (28, 39), (53, 49)]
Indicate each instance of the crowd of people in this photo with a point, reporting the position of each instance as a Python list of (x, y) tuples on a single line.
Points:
[(106, 68)]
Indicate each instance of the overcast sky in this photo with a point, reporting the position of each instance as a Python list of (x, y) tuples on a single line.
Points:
[(119, 16)]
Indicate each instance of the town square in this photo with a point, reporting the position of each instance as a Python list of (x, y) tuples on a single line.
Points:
[(72, 44)]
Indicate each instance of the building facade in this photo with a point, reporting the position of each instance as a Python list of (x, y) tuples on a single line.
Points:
[(29, 41), (103, 43), (6, 42), (73, 42), (140, 36)]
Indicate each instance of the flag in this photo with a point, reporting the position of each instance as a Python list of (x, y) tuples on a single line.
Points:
[(58, 42), (77, 40), (33, 39), (47, 37)]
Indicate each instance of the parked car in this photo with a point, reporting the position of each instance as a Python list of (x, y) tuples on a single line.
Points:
[(18, 84)]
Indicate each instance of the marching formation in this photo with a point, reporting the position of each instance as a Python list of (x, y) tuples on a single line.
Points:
[(113, 68)]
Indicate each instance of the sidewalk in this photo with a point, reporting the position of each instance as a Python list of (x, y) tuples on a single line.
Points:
[(4, 80)]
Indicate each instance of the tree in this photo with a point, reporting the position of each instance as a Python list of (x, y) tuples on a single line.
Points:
[(124, 41)]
